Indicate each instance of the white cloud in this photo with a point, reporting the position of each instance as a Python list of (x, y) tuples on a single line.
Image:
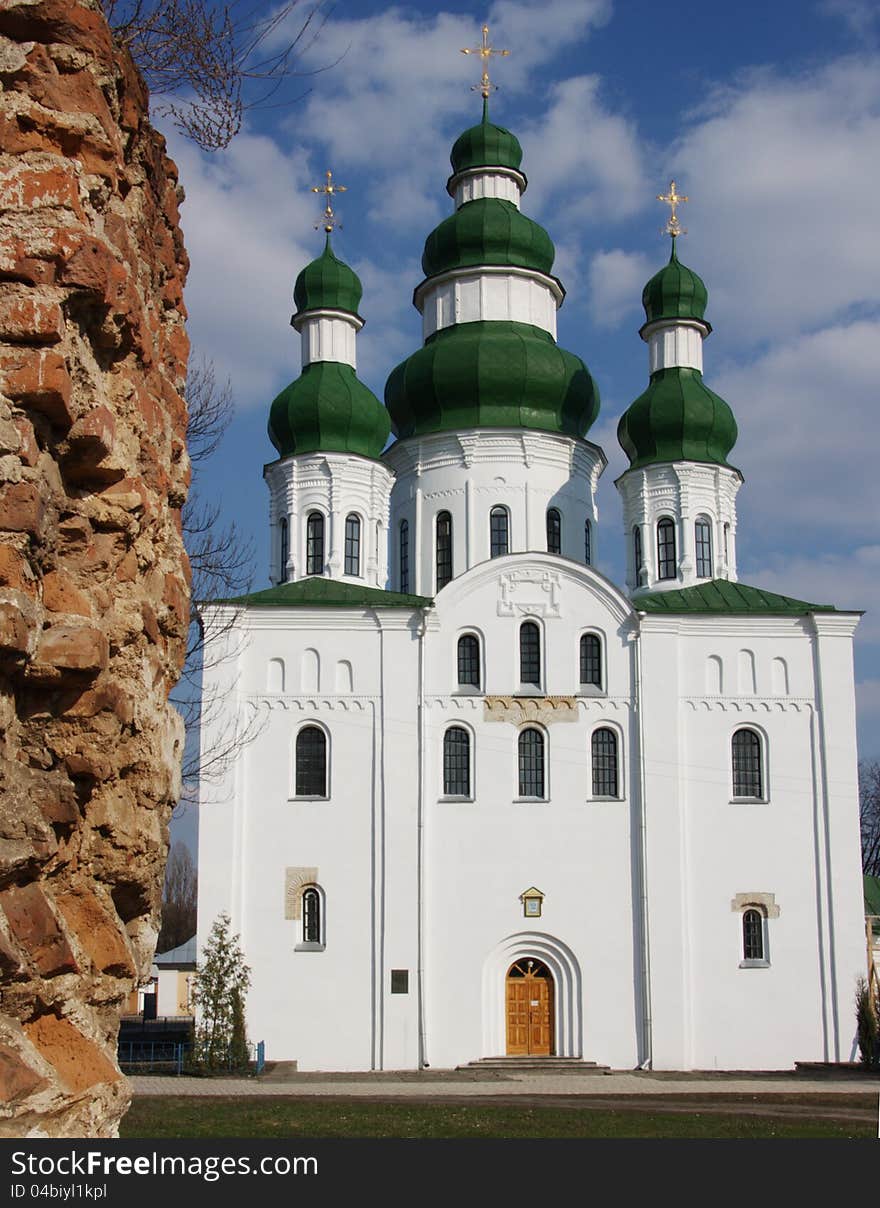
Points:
[(850, 581), (860, 16), (868, 713), (616, 279)]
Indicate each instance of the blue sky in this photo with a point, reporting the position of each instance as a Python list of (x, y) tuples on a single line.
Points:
[(767, 116)]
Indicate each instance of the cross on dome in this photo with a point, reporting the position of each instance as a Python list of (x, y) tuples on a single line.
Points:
[(485, 51), (329, 189), (673, 199)]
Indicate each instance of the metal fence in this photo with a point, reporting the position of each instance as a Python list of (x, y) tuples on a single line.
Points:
[(171, 1057)]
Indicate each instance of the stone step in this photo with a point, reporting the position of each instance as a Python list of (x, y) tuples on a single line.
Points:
[(277, 1071), (547, 1065)]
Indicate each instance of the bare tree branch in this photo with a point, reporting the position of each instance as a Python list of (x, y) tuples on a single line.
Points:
[(869, 815)]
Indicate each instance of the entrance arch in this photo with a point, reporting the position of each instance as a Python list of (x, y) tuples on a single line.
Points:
[(529, 1009), (566, 1002)]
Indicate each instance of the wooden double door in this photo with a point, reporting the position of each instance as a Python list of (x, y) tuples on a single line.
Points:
[(529, 999)]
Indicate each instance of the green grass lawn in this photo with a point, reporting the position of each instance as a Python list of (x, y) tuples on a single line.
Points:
[(282, 1117)]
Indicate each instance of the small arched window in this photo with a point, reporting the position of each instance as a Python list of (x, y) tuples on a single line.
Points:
[(591, 660), (531, 763), (637, 552), (554, 531), (748, 774), (315, 544), (530, 654), (666, 567), (456, 762), (703, 546), (311, 916), (588, 543), (444, 549), (404, 555), (499, 535), (469, 660), (284, 548), (352, 544), (604, 757), (311, 762), (753, 935)]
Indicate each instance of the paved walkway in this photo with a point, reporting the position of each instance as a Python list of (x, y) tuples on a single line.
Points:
[(464, 1084)]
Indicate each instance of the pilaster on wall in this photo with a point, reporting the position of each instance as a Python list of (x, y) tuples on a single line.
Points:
[(94, 589)]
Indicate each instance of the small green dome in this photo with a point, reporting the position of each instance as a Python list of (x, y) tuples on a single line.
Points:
[(328, 410), (327, 284), (676, 292), (497, 374), (678, 418), (487, 231), (486, 146)]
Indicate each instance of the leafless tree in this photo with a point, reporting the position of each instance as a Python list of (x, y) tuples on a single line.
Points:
[(869, 815), (178, 900), (209, 63)]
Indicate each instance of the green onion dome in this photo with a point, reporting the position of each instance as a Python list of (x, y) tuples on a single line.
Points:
[(327, 284), (486, 146), (491, 374), (676, 292), (328, 410), (678, 418), (487, 231)]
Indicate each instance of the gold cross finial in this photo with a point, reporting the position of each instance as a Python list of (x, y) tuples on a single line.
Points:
[(485, 51), (673, 198), (329, 219)]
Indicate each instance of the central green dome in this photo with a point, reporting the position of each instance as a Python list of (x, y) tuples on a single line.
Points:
[(491, 375), (487, 231), (327, 284)]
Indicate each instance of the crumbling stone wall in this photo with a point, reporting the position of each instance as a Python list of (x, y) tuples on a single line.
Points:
[(93, 578)]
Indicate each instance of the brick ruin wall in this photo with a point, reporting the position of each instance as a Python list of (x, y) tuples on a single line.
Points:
[(93, 575)]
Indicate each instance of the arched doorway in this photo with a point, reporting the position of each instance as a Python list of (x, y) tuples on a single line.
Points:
[(529, 1009)]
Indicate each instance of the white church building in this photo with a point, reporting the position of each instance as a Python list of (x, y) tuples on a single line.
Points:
[(495, 804)]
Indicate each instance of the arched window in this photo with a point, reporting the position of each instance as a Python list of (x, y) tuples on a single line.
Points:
[(285, 548), (315, 544), (588, 543), (404, 555), (753, 935), (499, 537), (666, 567), (748, 776), (637, 552), (444, 549), (531, 763), (530, 654), (311, 762), (311, 916), (604, 754), (469, 660), (352, 544), (703, 545), (591, 660), (456, 762), (554, 531)]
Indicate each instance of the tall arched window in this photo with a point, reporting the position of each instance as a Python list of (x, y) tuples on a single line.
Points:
[(315, 544), (530, 654), (311, 916), (637, 552), (499, 537), (456, 762), (666, 568), (311, 762), (703, 546), (352, 544), (554, 531), (588, 543), (404, 555), (591, 660), (284, 548), (469, 660), (531, 763), (748, 775), (604, 755), (444, 549), (753, 935)]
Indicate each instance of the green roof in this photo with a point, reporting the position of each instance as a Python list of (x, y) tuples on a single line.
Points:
[(678, 418), (487, 230), (320, 592), (328, 410), (872, 897), (486, 146), (327, 284), (491, 374), (676, 292), (722, 596)]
